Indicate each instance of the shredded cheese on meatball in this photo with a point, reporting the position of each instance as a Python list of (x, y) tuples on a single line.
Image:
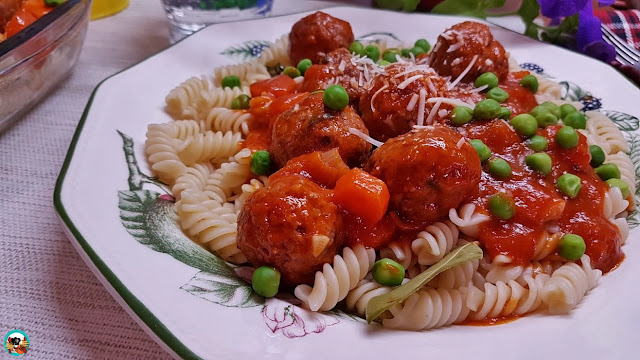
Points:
[(365, 137), (464, 73)]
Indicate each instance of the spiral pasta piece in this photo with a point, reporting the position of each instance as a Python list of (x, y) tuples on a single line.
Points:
[(358, 297), (208, 145), (248, 190), (503, 299), (278, 53), (627, 170), (194, 178), (430, 308), (568, 285), (606, 133), (226, 180), (400, 252), (546, 245), (614, 203), (225, 120), (181, 101), (467, 219), (435, 242), (161, 148), (214, 227), (457, 276), (332, 284), (248, 72)]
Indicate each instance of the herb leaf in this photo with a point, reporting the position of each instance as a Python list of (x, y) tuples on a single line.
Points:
[(475, 8), (381, 303), (404, 5)]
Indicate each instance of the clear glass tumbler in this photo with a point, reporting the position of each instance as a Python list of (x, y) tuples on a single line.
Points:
[(188, 16)]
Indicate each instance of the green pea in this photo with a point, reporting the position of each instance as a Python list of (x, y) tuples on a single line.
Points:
[(624, 187), (571, 247), (461, 115), (505, 113), (540, 162), (357, 48), (608, 171), (336, 97), (576, 120), (490, 79), (567, 137), (291, 72), (260, 162), (566, 109), (597, 155), (241, 102), (53, 3), (488, 109), (530, 83), (539, 110), (524, 124), (546, 119), (266, 281), (416, 50), (383, 63), (303, 65), (405, 53), (555, 109), (387, 272), (390, 56), (569, 185), (502, 206), (538, 143), (499, 168), (483, 150), (424, 44), (372, 52), (230, 81), (498, 95)]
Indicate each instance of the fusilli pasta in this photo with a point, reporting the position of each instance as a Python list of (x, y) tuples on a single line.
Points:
[(568, 285), (467, 219), (278, 53), (207, 146), (248, 72), (222, 119), (435, 242)]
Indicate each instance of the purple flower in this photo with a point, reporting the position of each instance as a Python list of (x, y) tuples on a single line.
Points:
[(589, 36), (561, 8), (292, 321)]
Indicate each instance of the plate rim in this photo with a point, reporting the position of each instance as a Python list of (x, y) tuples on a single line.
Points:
[(121, 293)]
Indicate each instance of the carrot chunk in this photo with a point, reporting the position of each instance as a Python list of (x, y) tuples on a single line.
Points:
[(363, 195), (276, 86)]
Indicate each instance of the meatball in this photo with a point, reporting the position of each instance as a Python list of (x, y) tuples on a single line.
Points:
[(428, 171), (290, 225), (316, 35), (311, 126), (392, 105), (457, 46)]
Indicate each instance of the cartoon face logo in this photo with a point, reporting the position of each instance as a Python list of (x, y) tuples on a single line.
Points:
[(16, 342)]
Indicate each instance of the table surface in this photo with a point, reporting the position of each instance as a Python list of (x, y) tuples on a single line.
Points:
[(47, 290)]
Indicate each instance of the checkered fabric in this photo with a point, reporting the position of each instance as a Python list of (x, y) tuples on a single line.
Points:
[(624, 23)]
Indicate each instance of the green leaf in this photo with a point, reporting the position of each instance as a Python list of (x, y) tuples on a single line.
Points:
[(404, 5), (625, 122), (152, 221), (246, 50), (381, 303), (475, 8), (529, 11), (572, 91), (223, 290)]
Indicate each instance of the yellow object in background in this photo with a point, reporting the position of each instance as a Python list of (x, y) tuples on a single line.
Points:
[(104, 8)]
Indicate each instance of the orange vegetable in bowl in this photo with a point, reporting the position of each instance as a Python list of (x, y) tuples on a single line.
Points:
[(363, 195), (276, 86)]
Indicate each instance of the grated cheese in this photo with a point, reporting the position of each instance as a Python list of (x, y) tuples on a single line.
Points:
[(454, 47), (374, 96), (443, 112), (460, 143), (462, 75), (478, 89), (390, 124), (342, 66), (427, 127), (408, 81), (412, 102), (414, 68), (421, 102), (456, 61), (454, 102), (299, 80), (488, 62), (447, 35), (366, 137), (433, 112), (353, 83), (431, 87)]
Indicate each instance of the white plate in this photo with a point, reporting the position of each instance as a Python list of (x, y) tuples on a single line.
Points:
[(161, 292)]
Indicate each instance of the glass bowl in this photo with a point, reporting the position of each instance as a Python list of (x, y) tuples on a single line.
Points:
[(39, 57)]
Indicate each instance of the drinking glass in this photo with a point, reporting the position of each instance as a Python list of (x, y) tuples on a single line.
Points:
[(187, 16)]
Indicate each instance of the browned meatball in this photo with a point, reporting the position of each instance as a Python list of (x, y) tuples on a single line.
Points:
[(457, 46), (340, 67), (311, 126), (428, 171), (316, 35), (290, 225), (392, 106)]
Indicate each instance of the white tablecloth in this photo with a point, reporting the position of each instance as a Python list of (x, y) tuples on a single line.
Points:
[(46, 290)]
